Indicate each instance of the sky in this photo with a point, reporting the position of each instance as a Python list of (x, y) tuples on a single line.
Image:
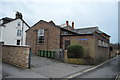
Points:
[(84, 13)]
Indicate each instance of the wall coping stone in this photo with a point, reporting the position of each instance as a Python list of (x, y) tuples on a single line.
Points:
[(17, 45)]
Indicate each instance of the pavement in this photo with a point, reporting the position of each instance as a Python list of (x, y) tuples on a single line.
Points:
[(0, 70), (10, 71), (43, 68)]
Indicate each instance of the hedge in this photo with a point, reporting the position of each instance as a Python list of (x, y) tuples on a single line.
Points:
[(75, 51)]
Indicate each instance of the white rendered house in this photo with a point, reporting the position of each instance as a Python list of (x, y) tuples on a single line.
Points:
[(12, 31)]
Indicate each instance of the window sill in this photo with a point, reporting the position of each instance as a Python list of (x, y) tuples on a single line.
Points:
[(40, 43)]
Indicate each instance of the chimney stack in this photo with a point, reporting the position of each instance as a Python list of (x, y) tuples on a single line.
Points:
[(67, 23), (18, 15), (73, 25)]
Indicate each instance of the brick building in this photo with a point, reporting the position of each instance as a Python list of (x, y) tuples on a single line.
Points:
[(48, 36)]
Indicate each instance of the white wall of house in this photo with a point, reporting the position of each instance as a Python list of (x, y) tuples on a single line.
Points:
[(9, 32)]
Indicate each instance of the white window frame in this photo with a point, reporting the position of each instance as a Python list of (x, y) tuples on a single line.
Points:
[(19, 24), (41, 36), (19, 32), (99, 43)]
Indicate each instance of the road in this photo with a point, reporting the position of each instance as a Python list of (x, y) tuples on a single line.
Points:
[(108, 70)]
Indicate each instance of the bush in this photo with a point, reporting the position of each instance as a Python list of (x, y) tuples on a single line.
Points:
[(75, 51)]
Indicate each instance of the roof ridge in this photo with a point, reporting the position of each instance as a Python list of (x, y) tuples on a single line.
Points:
[(87, 28)]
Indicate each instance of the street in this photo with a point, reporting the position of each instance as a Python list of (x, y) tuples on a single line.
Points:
[(54, 69), (108, 70), (42, 68)]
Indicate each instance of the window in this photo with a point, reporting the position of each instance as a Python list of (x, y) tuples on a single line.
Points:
[(19, 32), (99, 43), (18, 23), (104, 45), (65, 33), (67, 43), (18, 42), (41, 36)]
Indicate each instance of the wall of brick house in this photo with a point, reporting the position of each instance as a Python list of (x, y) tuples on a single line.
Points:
[(91, 49), (16, 55), (1, 43), (102, 53), (88, 45), (65, 32), (51, 37), (113, 53)]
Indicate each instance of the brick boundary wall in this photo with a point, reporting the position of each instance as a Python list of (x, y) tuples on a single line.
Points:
[(16, 55)]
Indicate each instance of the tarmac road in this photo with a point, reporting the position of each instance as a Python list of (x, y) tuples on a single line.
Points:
[(108, 70)]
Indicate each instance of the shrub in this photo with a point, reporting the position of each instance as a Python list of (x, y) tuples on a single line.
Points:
[(75, 51)]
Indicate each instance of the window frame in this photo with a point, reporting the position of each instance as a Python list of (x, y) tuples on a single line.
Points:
[(19, 24), (19, 32), (40, 36)]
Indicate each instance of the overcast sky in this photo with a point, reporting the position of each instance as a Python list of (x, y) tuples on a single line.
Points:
[(84, 13)]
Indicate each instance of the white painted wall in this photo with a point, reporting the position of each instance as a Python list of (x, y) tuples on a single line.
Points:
[(9, 33)]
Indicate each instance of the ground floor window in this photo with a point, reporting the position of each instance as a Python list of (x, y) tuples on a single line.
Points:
[(67, 43), (18, 42)]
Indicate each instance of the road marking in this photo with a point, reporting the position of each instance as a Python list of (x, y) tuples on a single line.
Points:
[(90, 68), (118, 76)]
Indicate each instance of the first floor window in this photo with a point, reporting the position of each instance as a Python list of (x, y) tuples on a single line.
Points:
[(100, 43), (18, 42), (106, 44), (18, 23), (41, 36), (19, 32)]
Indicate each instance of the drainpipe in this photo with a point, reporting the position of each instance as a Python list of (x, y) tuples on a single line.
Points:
[(47, 37), (29, 61), (36, 41)]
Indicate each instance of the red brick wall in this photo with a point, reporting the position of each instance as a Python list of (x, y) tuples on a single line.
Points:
[(51, 37), (102, 53)]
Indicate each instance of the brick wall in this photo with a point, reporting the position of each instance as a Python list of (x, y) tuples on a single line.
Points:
[(16, 55), (102, 53), (1, 50), (51, 37), (90, 45)]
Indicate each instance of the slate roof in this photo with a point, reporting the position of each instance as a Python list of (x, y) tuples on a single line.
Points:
[(53, 24), (7, 20), (89, 30)]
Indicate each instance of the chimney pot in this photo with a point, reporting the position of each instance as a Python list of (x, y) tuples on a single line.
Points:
[(73, 25), (67, 23), (18, 15)]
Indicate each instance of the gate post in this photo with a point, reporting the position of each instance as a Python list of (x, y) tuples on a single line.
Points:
[(30, 54)]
